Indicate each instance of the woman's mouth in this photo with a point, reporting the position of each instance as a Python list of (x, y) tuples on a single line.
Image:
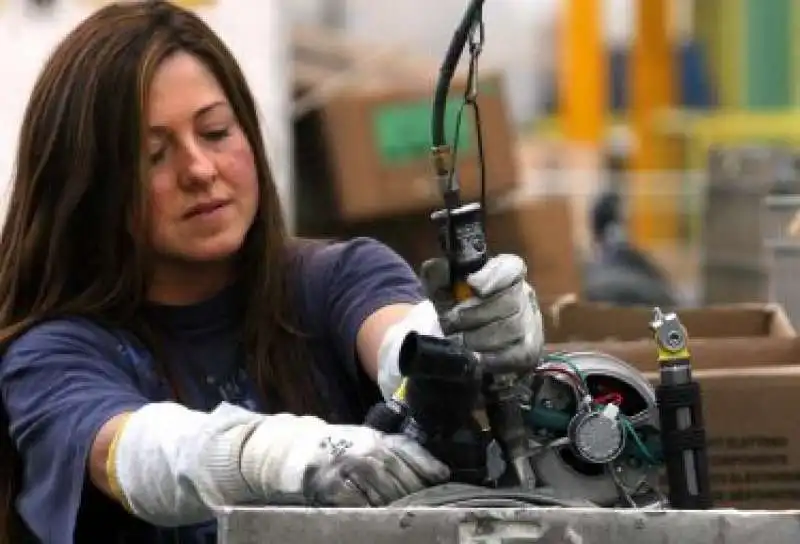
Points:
[(205, 209)]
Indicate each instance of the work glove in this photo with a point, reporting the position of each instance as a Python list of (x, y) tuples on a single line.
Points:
[(501, 322), (318, 464)]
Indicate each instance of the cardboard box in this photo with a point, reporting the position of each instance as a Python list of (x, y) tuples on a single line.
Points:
[(576, 171), (747, 360), (540, 230), (725, 336), (586, 321), (377, 150), (366, 143), (326, 62)]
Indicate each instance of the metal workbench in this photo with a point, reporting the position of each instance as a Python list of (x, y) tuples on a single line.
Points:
[(504, 526)]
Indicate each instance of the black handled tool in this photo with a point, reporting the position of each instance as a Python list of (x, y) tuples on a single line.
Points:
[(462, 236), (462, 230), (680, 410), (461, 227)]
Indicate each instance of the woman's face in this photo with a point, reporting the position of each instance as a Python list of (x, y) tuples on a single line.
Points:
[(203, 185)]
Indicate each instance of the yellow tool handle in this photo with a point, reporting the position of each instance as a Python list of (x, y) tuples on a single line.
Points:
[(461, 291)]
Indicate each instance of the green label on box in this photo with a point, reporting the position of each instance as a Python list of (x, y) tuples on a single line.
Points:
[(402, 130)]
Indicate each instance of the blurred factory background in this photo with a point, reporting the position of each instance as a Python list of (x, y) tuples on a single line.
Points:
[(662, 102)]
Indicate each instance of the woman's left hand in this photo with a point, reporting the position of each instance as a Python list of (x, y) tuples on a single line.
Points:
[(501, 322)]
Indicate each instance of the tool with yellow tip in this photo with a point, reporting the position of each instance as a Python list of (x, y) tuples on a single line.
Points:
[(391, 415), (681, 416), (461, 226)]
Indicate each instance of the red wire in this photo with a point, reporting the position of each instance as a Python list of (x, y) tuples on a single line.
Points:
[(609, 398)]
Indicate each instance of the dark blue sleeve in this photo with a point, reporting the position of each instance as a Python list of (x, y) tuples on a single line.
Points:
[(59, 383), (360, 277)]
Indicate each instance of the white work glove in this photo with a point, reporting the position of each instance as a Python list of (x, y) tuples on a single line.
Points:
[(304, 459), (501, 322)]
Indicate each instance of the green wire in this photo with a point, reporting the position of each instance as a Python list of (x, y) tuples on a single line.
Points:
[(639, 444), (558, 357)]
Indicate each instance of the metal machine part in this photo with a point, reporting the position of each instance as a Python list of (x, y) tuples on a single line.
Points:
[(585, 447), (681, 416), (462, 237), (443, 525), (597, 437)]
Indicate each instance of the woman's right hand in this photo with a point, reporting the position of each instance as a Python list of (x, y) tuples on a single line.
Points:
[(173, 466), (337, 465)]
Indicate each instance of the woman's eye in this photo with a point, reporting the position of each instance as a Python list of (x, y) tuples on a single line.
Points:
[(157, 156), (216, 135)]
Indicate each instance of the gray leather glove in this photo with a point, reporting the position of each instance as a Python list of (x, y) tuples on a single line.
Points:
[(502, 322), (304, 460), (396, 466)]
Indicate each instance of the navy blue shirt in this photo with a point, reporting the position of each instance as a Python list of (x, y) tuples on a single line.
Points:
[(64, 378)]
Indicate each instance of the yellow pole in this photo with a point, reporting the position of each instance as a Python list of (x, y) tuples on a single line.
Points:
[(652, 91), (582, 81), (794, 21)]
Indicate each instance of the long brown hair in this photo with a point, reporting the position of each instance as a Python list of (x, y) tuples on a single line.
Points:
[(72, 243)]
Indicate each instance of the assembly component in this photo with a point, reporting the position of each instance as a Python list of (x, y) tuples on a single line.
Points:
[(687, 395), (466, 454), (670, 336), (555, 465), (684, 444), (681, 417), (596, 437), (442, 160), (412, 429), (508, 424), (450, 187), (611, 411), (676, 372), (462, 238), (424, 319), (386, 417), (684, 439), (439, 372), (550, 419), (433, 358), (599, 487), (443, 383), (594, 364)]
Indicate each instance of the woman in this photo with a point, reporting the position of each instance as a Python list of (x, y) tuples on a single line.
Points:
[(153, 308)]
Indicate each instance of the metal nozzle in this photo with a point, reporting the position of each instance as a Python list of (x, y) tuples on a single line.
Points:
[(658, 319), (668, 330), (441, 157)]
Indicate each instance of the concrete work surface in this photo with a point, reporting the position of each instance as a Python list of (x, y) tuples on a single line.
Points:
[(505, 526)]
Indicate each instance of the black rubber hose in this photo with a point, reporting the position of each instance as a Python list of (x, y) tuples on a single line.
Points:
[(448, 69)]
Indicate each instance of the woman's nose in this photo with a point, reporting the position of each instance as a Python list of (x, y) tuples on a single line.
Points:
[(199, 166)]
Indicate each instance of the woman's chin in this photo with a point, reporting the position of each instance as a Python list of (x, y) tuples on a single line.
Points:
[(212, 251)]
